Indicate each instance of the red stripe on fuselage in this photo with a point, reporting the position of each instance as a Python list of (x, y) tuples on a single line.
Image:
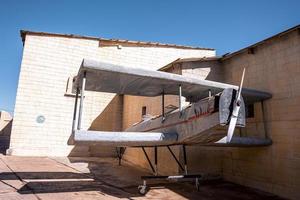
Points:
[(181, 122)]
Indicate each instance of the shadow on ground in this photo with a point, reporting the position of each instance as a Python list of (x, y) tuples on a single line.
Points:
[(105, 177)]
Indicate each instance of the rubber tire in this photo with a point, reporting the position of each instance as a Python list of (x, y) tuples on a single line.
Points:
[(198, 184), (143, 189)]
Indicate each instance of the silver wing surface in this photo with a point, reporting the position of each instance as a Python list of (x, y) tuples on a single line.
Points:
[(107, 77), (107, 138)]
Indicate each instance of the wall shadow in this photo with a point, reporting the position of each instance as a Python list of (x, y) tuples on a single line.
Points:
[(110, 119), (5, 135)]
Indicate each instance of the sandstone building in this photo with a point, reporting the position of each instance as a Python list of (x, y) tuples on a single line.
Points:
[(44, 104)]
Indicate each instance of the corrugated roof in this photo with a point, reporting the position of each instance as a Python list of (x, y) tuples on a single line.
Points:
[(248, 49), (111, 42), (197, 59), (251, 47)]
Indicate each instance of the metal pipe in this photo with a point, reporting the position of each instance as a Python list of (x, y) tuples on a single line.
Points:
[(155, 160), (179, 164), (75, 110), (147, 157), (264, 119), (81, 100), (163, 106), (180, 103), (118, 150)]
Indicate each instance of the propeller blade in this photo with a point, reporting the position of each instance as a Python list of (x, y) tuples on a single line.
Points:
[(241, 85), (235, 112), (232, 123)]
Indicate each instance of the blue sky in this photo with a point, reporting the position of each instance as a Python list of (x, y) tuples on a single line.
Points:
[(224, 25)]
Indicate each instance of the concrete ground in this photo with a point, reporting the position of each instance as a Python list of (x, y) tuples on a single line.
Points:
[(95, 178)]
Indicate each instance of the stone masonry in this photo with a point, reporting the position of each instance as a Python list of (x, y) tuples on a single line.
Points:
[(48, 61), (272, 65)]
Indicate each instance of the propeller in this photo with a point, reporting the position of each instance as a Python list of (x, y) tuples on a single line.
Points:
[(235, 111)]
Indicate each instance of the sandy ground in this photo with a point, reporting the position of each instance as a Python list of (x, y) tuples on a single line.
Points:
[(100, 178)]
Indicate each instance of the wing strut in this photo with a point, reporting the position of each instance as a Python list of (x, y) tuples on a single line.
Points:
[(75, 111), (163, 106), (180, 103), (81, 101)]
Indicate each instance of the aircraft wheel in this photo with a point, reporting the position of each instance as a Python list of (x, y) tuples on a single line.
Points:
[(142, 189), (197, 184)]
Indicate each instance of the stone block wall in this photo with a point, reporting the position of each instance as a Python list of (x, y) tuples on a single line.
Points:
[(198, 160), (274, 67), (47, 63)]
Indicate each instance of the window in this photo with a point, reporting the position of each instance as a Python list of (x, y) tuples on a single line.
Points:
[(70, 91), (144, 110), (249, 111)]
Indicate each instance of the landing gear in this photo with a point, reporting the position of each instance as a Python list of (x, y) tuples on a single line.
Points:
[(120, 152), (143, 189), (197, 183)]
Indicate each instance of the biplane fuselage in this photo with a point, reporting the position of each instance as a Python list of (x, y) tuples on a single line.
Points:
[(198, 123), (214, 105), (202, 122)]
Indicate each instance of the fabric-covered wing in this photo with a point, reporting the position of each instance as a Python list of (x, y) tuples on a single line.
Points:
[(105, 77), (123, 139)]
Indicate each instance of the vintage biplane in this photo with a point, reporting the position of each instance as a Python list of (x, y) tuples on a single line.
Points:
[(215, 109)]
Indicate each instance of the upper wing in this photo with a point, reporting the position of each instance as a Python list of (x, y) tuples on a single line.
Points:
[(106, 77)]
